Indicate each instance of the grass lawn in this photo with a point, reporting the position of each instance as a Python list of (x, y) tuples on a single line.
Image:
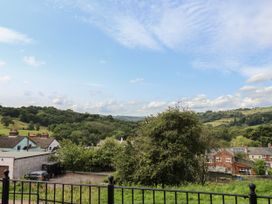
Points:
[(21, 127), (94, 193)]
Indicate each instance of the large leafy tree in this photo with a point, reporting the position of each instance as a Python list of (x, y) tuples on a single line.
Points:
[(167, 150), (6, 121)]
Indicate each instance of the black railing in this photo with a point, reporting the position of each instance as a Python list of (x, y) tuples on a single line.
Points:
[(28, 192)]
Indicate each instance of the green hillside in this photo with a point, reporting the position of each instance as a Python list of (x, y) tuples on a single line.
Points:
[(22, 128), (226, 127), (251, 127), (250, 117), (80, 128)]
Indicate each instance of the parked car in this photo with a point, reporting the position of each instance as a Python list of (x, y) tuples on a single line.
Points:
[(37, 175)]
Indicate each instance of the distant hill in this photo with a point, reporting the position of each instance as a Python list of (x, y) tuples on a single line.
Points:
[(89, 129), (129, 118), (240, 127), (239, 117)]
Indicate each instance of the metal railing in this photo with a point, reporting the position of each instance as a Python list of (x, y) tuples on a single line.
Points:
[(40, 192)]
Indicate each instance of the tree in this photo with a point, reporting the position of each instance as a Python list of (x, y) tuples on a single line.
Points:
[(74, 157), (6, 121), (106, 154), (30, 125), (262, 134), (167, 149), (259, 167), (37, 126), (241, 141)]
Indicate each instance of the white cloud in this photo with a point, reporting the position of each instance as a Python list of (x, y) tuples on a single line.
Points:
[(61, 101), (137, 80), (155, 105), (248, 88), (4, 79), (130, 32), (258, 74), (32, 61), (245, 97), (260, 77), (2, 63), (243, 25), (10, 36)]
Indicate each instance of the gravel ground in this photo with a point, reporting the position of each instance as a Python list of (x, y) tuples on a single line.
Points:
[(91, 178)]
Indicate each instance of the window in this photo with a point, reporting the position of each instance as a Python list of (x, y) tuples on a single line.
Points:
[(18, 147), (228, 160), (218, 159)]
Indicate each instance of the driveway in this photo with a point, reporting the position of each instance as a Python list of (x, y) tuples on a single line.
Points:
[(87, 178)]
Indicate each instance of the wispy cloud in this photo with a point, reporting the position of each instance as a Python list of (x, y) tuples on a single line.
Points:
[(10, 36), (4, 79), (32, 61), (137, 80), (221, 35), (257, 74), (173, 24)]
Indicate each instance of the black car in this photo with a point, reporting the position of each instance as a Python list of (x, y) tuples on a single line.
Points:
[(37, 175)]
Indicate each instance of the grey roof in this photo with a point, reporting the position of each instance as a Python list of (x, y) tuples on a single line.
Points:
[(21, 154), (260, 151), (252, 150), (10, 142), (236, 150), (44, 143)]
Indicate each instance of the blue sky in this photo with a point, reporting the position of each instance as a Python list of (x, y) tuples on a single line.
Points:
[(136, 57)]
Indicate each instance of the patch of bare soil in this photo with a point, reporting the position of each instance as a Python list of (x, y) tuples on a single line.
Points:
[(86, 178)]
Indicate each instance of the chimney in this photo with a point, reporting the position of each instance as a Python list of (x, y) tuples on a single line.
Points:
[(44, 135)]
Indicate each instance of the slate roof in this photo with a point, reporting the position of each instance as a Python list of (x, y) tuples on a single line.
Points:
[(260, 151), (10, 142), (252, 150), (22, 154), (44, 143)]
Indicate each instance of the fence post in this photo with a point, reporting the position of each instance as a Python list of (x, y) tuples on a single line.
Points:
[(111, 190), (252, 194), (5, 188)]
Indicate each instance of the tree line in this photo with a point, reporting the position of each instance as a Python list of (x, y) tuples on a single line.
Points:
[(167, 149)]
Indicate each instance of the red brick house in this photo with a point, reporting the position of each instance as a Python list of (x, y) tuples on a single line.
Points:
[(224, 160)]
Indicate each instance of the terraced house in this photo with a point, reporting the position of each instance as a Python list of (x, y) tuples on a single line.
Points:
[(238, 160)]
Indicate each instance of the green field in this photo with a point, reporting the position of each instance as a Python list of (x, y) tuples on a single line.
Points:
[(21, 127)]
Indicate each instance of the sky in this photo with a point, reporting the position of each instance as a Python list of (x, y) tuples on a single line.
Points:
[(136, 57)]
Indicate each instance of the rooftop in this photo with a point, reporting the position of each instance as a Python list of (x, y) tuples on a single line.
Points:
[(42, 142), (10, 142), (22, 154)]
